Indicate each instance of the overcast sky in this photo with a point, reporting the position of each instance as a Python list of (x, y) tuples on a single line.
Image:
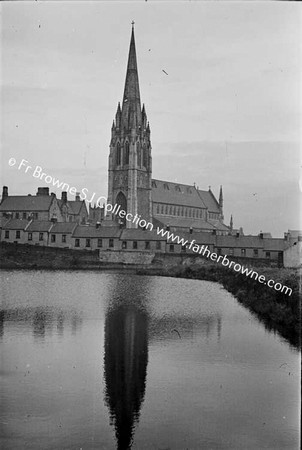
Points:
[(228, 112)]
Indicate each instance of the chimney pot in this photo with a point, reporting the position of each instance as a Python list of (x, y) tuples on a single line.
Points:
[(64, 196)]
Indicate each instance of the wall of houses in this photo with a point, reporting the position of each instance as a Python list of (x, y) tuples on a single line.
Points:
[(61, 240), (93, 239), (93, 243)]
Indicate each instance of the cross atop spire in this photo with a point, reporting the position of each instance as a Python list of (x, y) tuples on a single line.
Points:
[(131, 108)]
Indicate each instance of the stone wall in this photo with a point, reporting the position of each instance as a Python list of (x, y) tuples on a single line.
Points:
[(127, 257)]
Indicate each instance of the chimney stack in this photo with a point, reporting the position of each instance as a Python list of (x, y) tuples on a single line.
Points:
[(191, 230), (77, 198), (64, 197), (42, 191), (4, 193)]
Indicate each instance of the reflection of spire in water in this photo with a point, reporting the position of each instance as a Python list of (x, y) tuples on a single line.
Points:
[(125, 362)]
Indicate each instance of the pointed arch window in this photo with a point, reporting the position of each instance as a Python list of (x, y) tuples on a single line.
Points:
[(126, 154), (145, 156), (139, 155), (118, 154)]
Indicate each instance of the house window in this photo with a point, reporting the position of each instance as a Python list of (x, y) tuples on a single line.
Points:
[(255, 252), (157, 208), (111, 243), (17, 215), (183, 249), (88, 242), (18, 234), (35, 215), (166, 186), (124, 245), (53, 238), (24, 215), (154, 184), (189, 190), (219, 251), (6, 234), (77, 243), (40, 236), (231, 251), (243, 252), (100, 242), (177, 188), (147, 245), (267, 255), (63, 237), (70, 218), (134, 245), (30, 236), (171, 248), (158, 245)]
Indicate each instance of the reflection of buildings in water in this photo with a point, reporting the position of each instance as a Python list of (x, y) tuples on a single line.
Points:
[(41, 320), (125, 367)]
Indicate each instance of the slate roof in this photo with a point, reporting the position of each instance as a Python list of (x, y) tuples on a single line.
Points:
[(241, 241), (209, 200), (93, 232), (275, 244), (184, 222), (74, 206), (218, 225), (186, 196), (140, 235), (63, 227), (39, 225), (26, 203), (3, 221), (15, 224), (199, 237)]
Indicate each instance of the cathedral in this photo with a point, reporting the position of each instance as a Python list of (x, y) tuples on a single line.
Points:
[(130, 182)]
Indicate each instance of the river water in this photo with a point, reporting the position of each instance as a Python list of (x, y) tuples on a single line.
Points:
[(102, 361)]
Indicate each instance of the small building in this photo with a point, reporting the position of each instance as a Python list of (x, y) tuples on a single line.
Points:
[(37, 232), (73, 210), (192, 242), (273, 249), (142, 240), (60, 235), (41, 206), (13, 230), (96, 237), (240, 246)]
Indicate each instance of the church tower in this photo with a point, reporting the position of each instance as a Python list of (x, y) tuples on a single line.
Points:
[(130, 162)]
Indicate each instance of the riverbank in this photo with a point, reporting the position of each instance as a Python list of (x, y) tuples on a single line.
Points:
[(277, 311)]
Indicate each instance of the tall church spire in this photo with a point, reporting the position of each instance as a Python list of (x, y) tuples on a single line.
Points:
[(130, 161), (131, 108)]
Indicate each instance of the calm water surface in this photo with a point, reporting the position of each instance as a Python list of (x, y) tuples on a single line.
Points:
[(105, 361)]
